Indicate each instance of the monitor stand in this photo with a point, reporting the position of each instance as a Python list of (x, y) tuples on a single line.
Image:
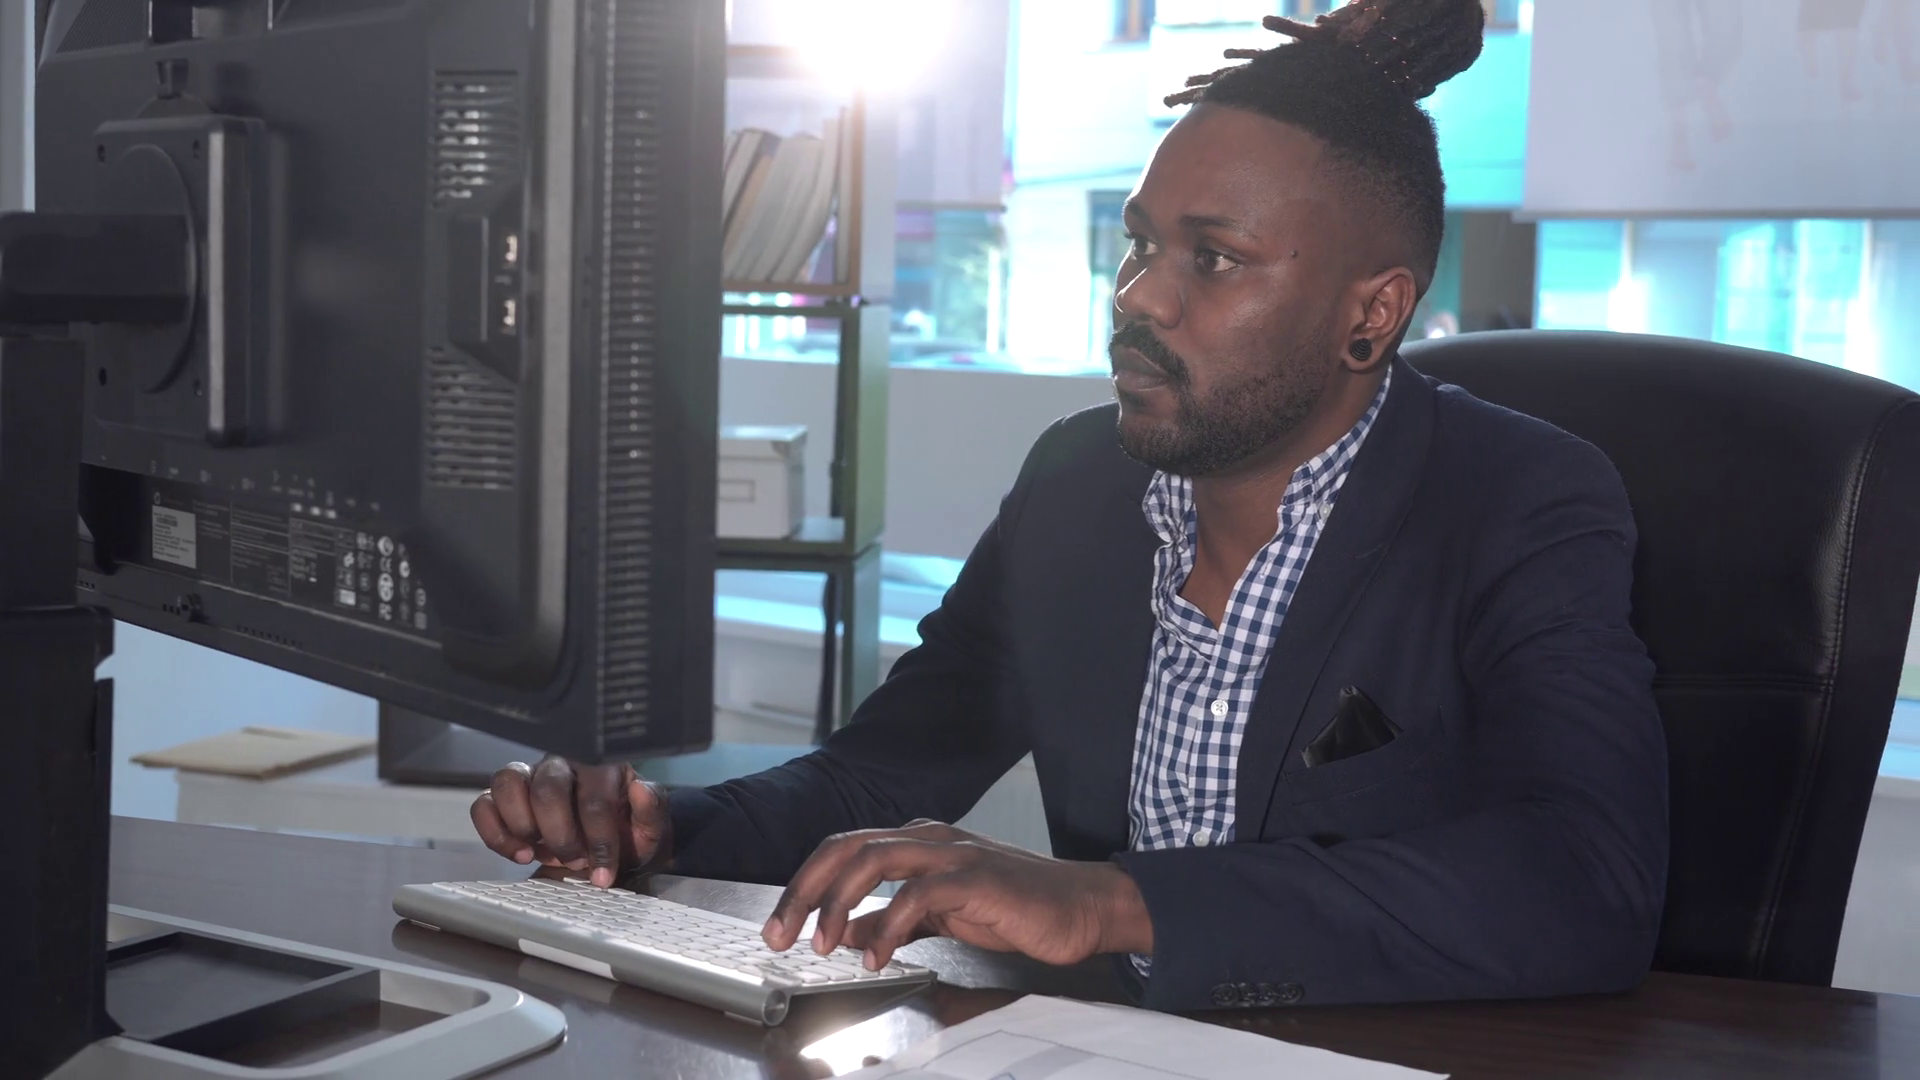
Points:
[(419, 749)]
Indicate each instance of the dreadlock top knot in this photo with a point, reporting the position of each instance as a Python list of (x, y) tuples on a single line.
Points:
[(1415, 45), (1354, 78)]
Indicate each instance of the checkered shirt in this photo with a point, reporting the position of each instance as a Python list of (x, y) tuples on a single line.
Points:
[(1201, 680)]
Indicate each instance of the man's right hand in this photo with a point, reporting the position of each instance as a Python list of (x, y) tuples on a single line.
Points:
[(602, 818)]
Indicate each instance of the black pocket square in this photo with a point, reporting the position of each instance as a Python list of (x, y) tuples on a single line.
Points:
[(1358, 726)]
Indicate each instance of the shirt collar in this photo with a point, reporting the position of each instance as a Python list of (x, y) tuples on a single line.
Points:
[(1169, 500)]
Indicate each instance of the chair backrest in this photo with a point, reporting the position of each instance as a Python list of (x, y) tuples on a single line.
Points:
[(1778, 505)]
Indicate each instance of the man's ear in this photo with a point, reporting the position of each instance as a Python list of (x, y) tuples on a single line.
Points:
[(1385, 304)]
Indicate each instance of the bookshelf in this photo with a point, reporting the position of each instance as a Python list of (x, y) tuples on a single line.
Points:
[(845, 546)]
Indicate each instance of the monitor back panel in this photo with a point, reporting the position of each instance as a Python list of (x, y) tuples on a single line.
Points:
[(443, 430)]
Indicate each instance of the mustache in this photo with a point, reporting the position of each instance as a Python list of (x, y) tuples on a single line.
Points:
[(1140, 338)]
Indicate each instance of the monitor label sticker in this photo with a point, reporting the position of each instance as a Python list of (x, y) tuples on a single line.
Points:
[(174, 538), (307, 555), (260, 553)]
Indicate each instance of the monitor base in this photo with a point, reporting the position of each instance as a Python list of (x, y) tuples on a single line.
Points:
[(416, 1024)]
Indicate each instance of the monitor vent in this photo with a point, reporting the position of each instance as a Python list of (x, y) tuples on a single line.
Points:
[(103, 24), (269, 637), (472, 425), (630, 195), (476, 135)]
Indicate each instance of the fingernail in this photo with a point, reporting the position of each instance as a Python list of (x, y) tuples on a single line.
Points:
[(523, 856), (603, 877), (772, 928), (873, 960), (577, 864), (820, 941)]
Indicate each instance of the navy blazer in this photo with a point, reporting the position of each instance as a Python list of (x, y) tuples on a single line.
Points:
[(1472, 581)]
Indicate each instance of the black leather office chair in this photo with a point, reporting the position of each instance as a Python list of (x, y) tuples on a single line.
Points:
[(1778, 503)]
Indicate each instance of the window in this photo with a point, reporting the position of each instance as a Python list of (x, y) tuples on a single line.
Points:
[(1216, 12), (1831, 291), (949, 300), (1106, 246), (1507, 14), (1020, 277), (1132, 20), (949, 297)]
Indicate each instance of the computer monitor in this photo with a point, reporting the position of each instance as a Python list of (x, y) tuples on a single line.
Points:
[(442, 428), (384, 335)]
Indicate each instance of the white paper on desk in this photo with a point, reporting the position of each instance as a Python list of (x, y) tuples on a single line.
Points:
[(1045, 1038)]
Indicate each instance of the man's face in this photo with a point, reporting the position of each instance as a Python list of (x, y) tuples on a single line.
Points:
[(1225, 305)]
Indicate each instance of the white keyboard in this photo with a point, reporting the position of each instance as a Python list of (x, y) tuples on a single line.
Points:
[(695, 955)]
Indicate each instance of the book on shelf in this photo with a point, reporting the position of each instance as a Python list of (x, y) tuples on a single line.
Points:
[(780, 193), (745, 149), (806, 221), (843, 199)]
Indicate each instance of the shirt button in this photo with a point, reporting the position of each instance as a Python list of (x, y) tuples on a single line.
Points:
[(1220, 708)]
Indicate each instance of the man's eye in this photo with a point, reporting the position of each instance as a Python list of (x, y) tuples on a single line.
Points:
[(1213, 262), (1140, 246)]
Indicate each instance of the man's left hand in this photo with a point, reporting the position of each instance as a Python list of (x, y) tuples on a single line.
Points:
[(962, 886)]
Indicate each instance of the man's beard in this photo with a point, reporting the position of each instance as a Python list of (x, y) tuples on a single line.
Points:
[(1236, 420)]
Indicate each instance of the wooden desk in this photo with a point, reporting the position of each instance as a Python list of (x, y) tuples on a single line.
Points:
[(337, 894)]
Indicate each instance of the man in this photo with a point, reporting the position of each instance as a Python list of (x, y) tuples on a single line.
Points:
[(1325, 668)]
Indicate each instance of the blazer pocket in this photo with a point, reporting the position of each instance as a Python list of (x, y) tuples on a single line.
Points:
[(1352, 775), (1358, 727)]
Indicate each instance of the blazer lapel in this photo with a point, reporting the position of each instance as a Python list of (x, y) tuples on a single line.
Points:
[(1372, 504), (1106, 660)]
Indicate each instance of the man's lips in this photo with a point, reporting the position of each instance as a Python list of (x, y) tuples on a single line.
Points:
[(1133, 373)]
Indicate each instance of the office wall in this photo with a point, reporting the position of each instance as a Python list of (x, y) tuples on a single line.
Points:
[(16, 102), (1880, 944)]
